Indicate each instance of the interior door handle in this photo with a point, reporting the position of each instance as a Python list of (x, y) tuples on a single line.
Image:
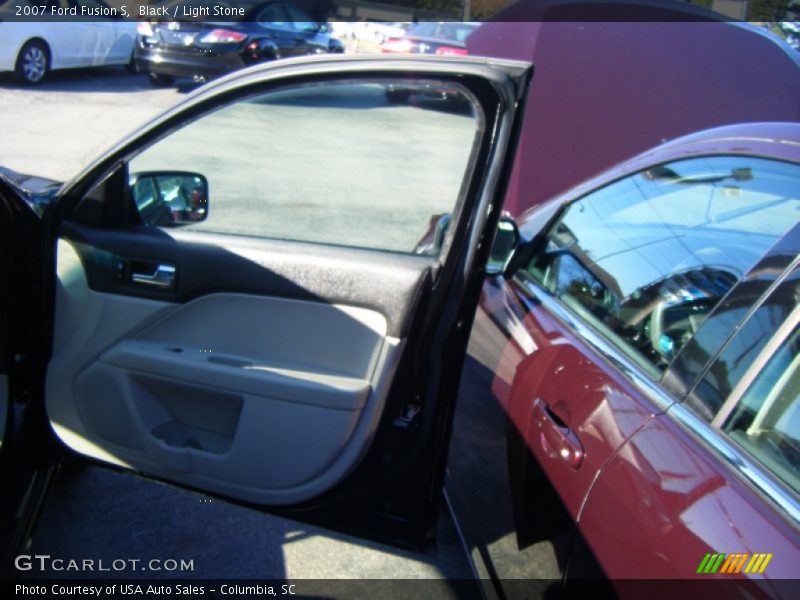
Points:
[(162, 276), (556, 439)]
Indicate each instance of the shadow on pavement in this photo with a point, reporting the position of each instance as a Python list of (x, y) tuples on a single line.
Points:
[(104, 80)]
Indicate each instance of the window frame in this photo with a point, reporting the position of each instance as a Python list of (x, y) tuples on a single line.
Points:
[(553, 213), (751, 471), (667, 398), (482, 120)]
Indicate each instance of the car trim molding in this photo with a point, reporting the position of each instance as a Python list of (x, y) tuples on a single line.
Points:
[(738, 461)]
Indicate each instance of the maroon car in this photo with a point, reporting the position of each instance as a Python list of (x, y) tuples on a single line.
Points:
[(643, 343)]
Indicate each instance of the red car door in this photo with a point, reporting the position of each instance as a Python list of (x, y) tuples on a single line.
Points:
[(709, 489), (603, 302)]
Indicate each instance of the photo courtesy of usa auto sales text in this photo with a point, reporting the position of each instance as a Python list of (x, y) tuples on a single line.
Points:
[(161, 590)]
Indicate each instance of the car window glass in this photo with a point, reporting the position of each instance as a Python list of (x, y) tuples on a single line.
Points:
[(423, 29), (456, 31), (693, 359), (300, 21), (334, 163), (766, 420), (275, 17), (647, 258), (739, 351)]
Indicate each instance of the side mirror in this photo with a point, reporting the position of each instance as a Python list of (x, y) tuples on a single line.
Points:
[(170, 198), (324, 28), (505, 244)]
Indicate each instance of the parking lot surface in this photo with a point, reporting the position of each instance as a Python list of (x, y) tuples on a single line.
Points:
[(57, 128)]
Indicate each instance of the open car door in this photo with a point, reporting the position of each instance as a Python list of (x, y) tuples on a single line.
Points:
[(235, 300)]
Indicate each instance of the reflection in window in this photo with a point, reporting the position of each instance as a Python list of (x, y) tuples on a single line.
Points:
[(647, 258), (739, 352), (766, 421)]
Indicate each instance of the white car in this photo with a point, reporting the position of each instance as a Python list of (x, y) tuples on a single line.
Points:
[(373, 31), (33, 47)]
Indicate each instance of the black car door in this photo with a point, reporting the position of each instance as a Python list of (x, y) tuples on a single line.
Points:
[(233, 297)]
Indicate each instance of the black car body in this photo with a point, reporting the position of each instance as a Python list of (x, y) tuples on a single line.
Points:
[(201, 50)]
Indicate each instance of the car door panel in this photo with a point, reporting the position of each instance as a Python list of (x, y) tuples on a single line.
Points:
[(259, 393), (207, 263), (570, 362), (702, 494), (268, 371), (72, 44), (694, 506)]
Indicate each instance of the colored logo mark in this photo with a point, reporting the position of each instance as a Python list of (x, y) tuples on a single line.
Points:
[(734, 563)]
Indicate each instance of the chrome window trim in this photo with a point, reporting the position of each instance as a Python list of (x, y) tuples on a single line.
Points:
[(747, 470), (615, 357), (741, 464), (771, 290), (778, 339)]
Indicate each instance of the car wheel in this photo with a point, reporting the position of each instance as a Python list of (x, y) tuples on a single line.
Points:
[(131, 66), (397, 96), (33, 62), (157, 80)]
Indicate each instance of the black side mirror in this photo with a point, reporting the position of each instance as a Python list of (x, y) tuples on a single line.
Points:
[(170, 198), (505, 243)]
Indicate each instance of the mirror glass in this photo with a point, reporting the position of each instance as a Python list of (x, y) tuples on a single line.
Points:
[(170, 198), (505, 243)]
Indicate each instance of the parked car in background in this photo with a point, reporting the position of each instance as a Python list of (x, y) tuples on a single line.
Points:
[(202, 50), (372, 31), (33, 48), (444, 38), (650, 375)]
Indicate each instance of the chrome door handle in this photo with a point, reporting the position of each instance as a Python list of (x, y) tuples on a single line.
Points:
[(556, 439), (163, 277)]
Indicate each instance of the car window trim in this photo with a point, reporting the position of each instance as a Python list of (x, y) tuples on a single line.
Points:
[(747, 469), (632, 373), (773, 288), (779, 337)]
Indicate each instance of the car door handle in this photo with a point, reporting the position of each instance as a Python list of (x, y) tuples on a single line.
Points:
[(162, 276), (555, 438)]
